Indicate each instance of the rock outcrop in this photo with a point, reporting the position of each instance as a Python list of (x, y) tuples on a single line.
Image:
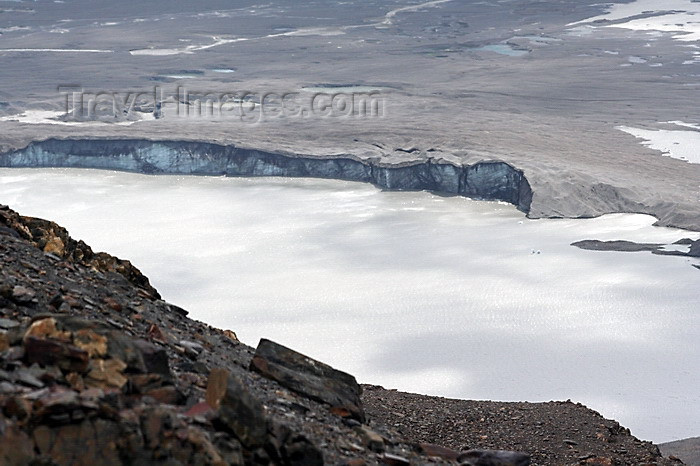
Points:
[(655, 248), (694, 249), (55, 240), (310, 378)]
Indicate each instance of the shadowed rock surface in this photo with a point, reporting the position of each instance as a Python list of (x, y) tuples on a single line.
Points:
[(95, 369), (308, 377), (630, 246), (620, 246), (695, 249)]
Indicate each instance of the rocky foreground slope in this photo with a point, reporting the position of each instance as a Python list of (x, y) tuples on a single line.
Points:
[(96, 369)]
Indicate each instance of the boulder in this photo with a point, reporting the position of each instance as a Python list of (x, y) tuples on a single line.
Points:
[(309, 378), (155, 358), (238, 411), (53, 352), (293, 448)]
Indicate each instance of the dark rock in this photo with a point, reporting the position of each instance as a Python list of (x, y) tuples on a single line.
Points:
[(56, 406), (17, 407), (308, 377), (351, 422), (694, 249), (6, 290), (229, 449), (8, 232), (294, 449), (4, 341), (200, 367), (178, 310), (56, 300), (629, 246), (684, 241), (49, 352), (242, 414), (127, 349), (493, 458), (155, 358), (621, 246)]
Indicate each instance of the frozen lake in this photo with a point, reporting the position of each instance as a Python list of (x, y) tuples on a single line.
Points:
[(410, 290)]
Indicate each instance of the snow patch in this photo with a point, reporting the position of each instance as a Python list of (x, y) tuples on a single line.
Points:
[(52, 117), (675, 16), (681, 145)]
